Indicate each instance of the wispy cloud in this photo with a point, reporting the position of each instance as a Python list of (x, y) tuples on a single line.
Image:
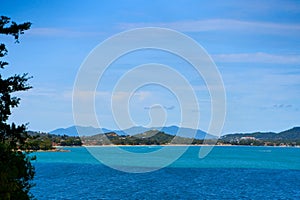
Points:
[(258, 57), (159, 106), (40, 92), (61, 32), (221, 24), (121, 96), (282, 106)]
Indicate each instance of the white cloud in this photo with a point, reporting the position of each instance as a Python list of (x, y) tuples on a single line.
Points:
[(121, 96), (142, 95), (220, 24), (38, 93), (258, 57)]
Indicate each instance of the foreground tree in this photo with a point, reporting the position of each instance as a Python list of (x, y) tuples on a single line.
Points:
[(16, 170)]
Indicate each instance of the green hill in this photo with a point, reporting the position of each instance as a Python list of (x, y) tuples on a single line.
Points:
[(151, 137), (290, 137)]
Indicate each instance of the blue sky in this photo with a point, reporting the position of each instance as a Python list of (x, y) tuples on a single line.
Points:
[(255, 44)]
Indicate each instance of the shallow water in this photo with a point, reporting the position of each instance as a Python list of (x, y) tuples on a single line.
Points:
[(227, 172)]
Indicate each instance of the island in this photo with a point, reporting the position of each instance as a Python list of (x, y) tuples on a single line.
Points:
[(49, 142)]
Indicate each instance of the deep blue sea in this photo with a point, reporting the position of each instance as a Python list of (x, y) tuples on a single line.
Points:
[(232, 172)]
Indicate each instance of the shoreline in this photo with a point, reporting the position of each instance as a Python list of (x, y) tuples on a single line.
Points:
[(172, 145), (61, 148)]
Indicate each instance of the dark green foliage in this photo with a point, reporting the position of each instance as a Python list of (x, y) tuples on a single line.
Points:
[(291, 134), (10, 28), (16, 171), (70, 141), (45, 141), (152, 137)]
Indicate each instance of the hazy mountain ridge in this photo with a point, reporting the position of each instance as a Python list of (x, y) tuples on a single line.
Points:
[(172, 130), (73, 130), (290, 134)]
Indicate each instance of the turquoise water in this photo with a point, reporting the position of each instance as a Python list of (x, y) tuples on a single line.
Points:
[(226, 173)]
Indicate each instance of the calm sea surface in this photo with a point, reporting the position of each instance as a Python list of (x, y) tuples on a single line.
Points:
[(226, 173)]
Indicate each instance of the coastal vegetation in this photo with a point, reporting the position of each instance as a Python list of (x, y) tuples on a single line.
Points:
[(46, 141), (286, 138), (289, 137), (16, 170)]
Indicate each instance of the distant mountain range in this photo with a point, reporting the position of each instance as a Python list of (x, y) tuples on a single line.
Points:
[(72, 131), (172, 130), (288, 135)]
